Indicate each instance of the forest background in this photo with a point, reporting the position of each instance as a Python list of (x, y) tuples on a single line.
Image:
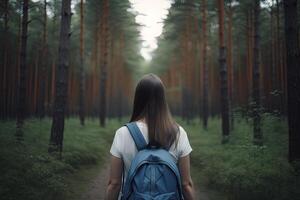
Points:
[(232, 77)]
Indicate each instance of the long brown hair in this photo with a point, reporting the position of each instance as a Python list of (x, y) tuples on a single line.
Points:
[(150, 103)]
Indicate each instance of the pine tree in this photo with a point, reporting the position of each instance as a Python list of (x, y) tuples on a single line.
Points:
[(293, 77), (257, 132), (223, 74), (21, 105), (61, 84)]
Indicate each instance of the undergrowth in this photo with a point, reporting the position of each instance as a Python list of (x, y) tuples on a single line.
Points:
[(241, 170), (28, 172)]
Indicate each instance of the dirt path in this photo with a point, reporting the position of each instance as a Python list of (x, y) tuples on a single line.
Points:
[(96, 189)]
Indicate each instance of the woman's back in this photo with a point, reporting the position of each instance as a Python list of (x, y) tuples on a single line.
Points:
[(124, 147)]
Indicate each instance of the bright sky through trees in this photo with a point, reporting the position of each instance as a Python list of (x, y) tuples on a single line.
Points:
[(150, 14)]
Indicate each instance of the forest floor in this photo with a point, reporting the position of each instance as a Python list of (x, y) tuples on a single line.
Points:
[(236, 170), (97, 186)]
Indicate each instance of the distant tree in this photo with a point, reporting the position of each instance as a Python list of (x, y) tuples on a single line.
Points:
[(21, 105), (229, 60), (81, 69), (103, 69), (293, 77), (205, 66), (223, 74), (61, 86), (3, 89), (257, 132), (44, 64)]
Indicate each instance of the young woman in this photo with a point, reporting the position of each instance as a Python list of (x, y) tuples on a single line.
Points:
[(151, 113)]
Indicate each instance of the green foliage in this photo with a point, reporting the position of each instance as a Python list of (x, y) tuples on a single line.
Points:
[(240, 169), (27, 170)]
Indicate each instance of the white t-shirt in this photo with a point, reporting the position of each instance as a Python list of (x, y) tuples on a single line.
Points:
[(124, 147)]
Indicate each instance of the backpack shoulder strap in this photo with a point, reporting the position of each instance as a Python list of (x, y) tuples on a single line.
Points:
[(137, 136)]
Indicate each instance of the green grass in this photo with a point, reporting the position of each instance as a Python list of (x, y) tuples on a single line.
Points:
[(28, 172), (240, 169)]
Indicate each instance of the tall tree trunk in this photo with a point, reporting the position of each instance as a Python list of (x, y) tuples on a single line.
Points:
[(273, 59), (21, 105), (230, 63), (279, 60), (121, 68), (4, 81), (223, 74), (82, 75), (58, 121), (293, 77), (103, 71), (17, 67), (257, 133), (204, 64), (44, 64), (250, 34)]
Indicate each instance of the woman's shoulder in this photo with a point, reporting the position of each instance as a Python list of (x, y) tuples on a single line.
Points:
[(121, 129), (180, 129), (121, 133), (182, 133)]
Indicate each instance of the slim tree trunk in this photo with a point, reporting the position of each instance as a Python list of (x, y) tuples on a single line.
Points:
[(21, 104), (257, 133), (44, 64), (103, 71), (121, 66), (82, 75), (204, 64), (230, 64), (249, 67), (58, 121), (279, 60), (4, 81), (273, 56), (293, 77), (223, 74), (16, 88)]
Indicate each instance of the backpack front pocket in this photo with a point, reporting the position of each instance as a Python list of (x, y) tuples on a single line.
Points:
[(166, 196)]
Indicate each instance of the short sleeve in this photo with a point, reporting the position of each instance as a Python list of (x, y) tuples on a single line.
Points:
[(184, 147), (115, 149)]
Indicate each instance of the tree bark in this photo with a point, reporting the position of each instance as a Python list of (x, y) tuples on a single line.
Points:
[(273, 59), (21, 104), (293, 77), (82, 75), (223, 74), (44, 64), (204, 64), (103, 71), (230, 64), (257, 133), (4, 69), (61, 83)]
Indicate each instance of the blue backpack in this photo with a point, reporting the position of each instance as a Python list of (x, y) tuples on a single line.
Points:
[(153, 173)]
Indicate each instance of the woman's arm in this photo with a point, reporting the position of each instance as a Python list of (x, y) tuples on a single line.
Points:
[(115, 178), (186, 180)]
